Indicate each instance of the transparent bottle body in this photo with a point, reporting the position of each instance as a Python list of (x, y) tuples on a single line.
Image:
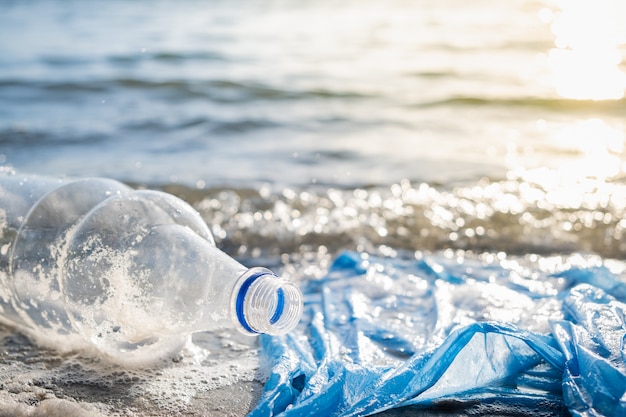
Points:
[(133, 272)]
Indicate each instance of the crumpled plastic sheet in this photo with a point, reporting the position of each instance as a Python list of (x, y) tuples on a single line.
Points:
[(380, 333)]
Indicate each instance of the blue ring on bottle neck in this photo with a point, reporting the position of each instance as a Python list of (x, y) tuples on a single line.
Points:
[(280, 306), (241, 296)]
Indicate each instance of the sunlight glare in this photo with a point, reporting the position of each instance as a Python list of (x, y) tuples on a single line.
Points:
[(601, 147), (587, 57), (587, 155)]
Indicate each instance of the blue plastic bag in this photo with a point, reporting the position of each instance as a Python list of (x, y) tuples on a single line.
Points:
[(383, 333)]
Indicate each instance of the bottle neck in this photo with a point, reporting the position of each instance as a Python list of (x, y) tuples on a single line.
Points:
[(263, 303)]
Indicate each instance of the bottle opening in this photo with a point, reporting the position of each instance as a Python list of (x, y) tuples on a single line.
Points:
[(267, 304)]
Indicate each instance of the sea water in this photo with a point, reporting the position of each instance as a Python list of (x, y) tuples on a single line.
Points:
[(302, 129)]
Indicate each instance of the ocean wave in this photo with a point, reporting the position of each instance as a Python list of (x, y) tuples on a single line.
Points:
[(51, 86), (493, 45), (172, 57), (512, 216), (218, 90), (547, 103), (27, 137), (207, 124)]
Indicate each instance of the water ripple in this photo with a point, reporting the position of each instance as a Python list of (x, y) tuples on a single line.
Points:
[(512, 216)]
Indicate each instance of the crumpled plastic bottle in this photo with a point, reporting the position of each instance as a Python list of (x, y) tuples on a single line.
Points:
[(454, 335), (134, 273)]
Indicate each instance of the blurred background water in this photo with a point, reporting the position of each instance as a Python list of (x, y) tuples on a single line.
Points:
[(301, 128), (415, 124)]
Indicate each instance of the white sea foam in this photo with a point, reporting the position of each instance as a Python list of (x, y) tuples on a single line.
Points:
[(38, 382)]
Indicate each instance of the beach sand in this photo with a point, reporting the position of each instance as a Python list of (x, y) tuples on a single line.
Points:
[(36, 381)]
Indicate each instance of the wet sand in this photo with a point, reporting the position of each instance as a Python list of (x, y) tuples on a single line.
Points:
[(35, 381)]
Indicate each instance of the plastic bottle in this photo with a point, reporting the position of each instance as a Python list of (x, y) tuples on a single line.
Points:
[(134, 273)]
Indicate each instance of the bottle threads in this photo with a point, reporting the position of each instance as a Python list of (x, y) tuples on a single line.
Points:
[(268, 304)]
